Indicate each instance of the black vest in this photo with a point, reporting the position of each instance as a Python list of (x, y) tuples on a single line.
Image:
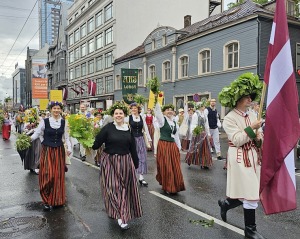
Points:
[(136, 127), (212, 118), (53, 137)]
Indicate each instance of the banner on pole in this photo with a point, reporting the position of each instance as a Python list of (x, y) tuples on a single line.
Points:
[(129, 78)]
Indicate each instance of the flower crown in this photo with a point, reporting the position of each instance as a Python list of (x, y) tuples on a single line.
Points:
[(165, 107), (118, 105), (55, 103)]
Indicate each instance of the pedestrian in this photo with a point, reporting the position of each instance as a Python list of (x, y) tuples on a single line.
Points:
[(244, 160), (6, 126), (179, 118), (214, 124), (117, 168), (53, 157), (139, 127), (169, 173), (84, 112)]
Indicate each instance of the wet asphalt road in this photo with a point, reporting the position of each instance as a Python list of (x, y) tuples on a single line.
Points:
[(21, 214)]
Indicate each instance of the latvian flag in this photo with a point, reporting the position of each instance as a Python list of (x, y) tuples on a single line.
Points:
[(91, 88), (81, 89), (65, 93), (282, 130)]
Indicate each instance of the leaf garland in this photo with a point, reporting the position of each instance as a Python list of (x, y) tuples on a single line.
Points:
[(154, 85)]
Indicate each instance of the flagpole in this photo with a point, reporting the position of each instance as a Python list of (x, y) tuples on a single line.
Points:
[(262, 99)]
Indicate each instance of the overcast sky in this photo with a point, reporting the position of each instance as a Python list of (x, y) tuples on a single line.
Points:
[(13, 14)]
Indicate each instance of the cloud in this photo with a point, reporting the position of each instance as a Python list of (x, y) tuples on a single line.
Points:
[(5, 87)]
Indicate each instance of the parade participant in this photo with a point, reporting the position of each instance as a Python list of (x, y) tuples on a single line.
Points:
[(19, 121), (148, 118), (82, 111), (212, 116), (6, 126), (199, 150), (179, 118), (98, 124), (53, 157), (138, 126), (169, 173), (185, 141), (244, 165), (117, 168)]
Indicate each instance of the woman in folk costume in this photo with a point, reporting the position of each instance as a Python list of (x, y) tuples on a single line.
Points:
[(188, 116), (245, 138), (117, 168), (138, 126), (32, 158), (169, 173), (53, 157), (6, 126), (199, 151), (149, 121)]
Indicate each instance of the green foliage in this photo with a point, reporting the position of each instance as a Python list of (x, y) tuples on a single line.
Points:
[(246, 84), (204, 223), (82, 129), (154, 85), (198, 130), (239, 2), (118, 105), (23, 142), (140, 99)]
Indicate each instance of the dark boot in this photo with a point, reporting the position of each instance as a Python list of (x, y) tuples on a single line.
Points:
[(250, 226), (227, 204)]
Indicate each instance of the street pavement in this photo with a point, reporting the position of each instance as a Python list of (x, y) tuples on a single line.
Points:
[(164, 216)]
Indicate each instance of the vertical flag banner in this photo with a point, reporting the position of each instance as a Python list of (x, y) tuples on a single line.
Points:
[(160, 99), (129, 78), (39, 79), (282, 130), (92, 88), (65, 93)]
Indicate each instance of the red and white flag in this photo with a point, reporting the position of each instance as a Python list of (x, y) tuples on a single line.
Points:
[(91, 88), (81, 89), (282, 130)]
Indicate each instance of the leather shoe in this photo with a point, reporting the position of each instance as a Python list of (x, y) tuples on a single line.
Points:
[(143, 183), (224, 209), (251, 233), (47, 207)]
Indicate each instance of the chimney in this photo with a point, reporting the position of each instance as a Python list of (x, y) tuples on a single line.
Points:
[(187, 20)]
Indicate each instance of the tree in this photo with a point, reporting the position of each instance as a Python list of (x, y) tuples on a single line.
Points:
[(232, 4)]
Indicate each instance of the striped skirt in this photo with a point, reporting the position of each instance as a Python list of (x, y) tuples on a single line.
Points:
[(199, 151), (141, 150), (169, 173), (119, 187), (151, 132), (52, 175)]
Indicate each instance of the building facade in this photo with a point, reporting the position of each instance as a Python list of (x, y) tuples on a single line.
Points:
[(101, 31), (49, 12), (203, 58), (19, 83)]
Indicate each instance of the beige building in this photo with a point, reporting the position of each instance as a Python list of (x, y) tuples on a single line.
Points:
[(100, 31)]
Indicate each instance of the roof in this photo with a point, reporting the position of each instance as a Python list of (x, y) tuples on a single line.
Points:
[(135, 52)]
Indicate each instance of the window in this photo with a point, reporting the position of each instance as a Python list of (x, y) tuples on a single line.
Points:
[(99, 86), (76, 53), (232, 55), (71, 76), (71, 40), (83, 69), (108, 12), (99, 20), (164, 39), (140, 77), (83, 50), (70, 20), (83, 9), (76, 14), (91, 66), (109, 84), (91, 45), (152, 72), (153, 44), (99, 63), (108, 59), (183, 66), (109, 36), (77, 71), (91, 2), (83, 30), (118, 82), (99, 41), (204, 61), (290, 8), (76, 35), (166, 71), (71, 56), (91, 25)]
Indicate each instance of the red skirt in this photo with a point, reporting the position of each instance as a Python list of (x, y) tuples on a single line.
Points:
[(6, 131), (151, 132), (169, 173)]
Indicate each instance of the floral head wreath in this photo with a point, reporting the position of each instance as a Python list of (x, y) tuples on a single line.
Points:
[(246, 84), (165, 107), (118, 105), (55, 103)]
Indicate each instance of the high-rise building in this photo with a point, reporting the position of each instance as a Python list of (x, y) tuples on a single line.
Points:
[(19, 83), (49, 12)]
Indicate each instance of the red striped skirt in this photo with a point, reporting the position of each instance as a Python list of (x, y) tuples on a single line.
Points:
[(52, 175), (169, 173), (151, 132), (119, 187)]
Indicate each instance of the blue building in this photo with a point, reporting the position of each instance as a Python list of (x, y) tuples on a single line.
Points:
[(49, 12), (206, 56)]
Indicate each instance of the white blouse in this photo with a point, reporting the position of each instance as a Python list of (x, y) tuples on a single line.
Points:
[(55, 124)]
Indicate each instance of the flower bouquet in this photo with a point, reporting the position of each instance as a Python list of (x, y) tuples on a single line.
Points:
[(140, 99), (154, 85), (198, 130), (82, 129), (22, 144)]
